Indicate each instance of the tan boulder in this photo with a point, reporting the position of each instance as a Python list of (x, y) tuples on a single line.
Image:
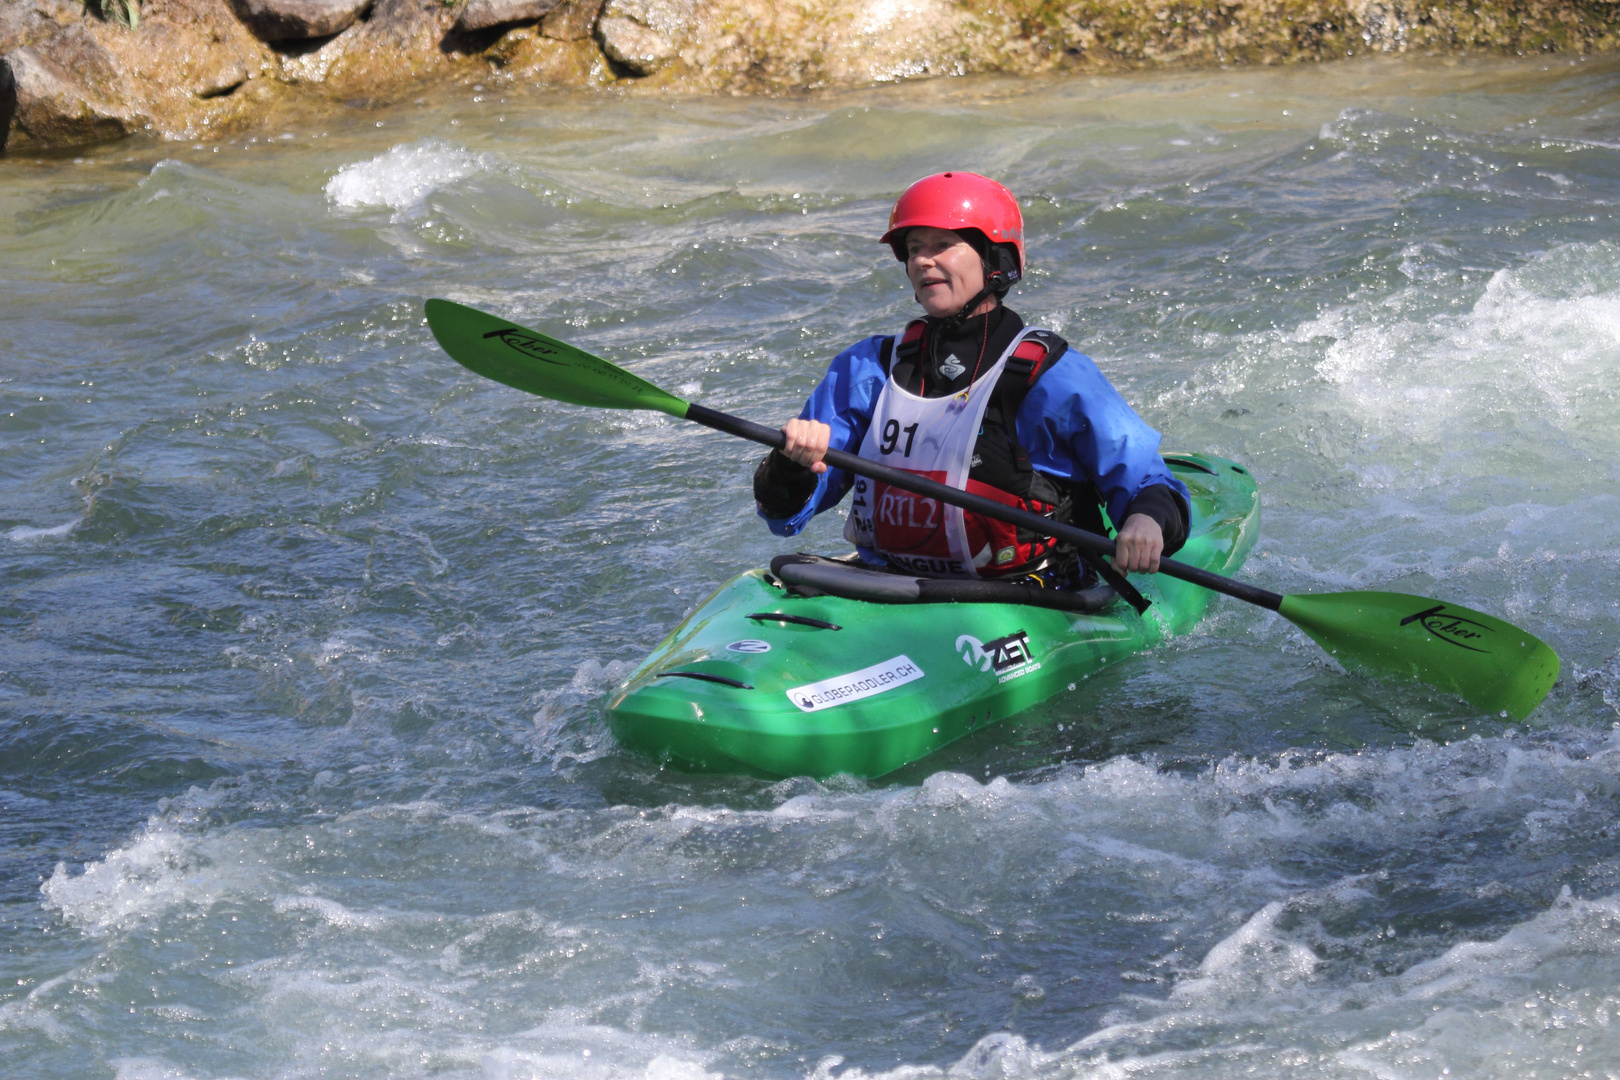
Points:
[(295, 20), (527, 56), (400, 44), (66, 90), (572, 20), (483, 14), (776, 46), (644, 35), (22, 22)]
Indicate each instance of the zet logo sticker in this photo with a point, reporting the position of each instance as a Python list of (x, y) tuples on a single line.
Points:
[(1009, 657), (1451, 629), (749, 645), (972, 650)]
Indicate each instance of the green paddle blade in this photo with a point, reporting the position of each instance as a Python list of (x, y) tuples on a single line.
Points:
[(501, 350), (1492, 665)]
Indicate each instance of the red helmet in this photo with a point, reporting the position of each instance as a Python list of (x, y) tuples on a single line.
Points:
[(958, 201)]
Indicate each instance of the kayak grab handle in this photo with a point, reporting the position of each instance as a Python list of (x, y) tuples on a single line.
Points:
[(802, 620), (705, 676)]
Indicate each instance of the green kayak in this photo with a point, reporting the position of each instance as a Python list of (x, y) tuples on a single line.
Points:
[(776, 675)]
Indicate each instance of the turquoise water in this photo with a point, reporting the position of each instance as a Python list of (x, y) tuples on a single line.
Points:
[(307, 632)]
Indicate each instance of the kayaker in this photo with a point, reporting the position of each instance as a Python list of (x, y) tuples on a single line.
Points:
[(970, 396)]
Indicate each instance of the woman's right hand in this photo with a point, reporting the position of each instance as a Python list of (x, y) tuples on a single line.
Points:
[(807, 443)]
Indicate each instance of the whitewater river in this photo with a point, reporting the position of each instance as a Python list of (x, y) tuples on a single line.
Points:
[(306, 633)]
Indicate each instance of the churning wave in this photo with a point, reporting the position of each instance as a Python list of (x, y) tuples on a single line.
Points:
[(1275, 963), (403, 177)]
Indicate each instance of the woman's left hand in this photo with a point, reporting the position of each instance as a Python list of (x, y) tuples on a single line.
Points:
[(1138, 545)]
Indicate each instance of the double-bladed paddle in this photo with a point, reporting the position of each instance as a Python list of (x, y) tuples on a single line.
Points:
[(1491, 664)]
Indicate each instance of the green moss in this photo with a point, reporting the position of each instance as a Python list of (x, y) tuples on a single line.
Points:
[(1271, 31), (124, 12)]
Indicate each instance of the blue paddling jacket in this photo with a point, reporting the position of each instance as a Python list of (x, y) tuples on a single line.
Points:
[(1072, 423)]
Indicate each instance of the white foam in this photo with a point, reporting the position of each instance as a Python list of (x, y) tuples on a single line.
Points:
[(509, 1064), (23, 534), (1255, 958), (555, 736), (330, 912), (573, 889), (1532, 356), (1000, 1056), (1410, 390), (335, 647), (438, 441), (148, 1068), (34, 1012), (169, 863), (1535, 999), (157, 173), (566, 1045), (403, 177), (133, 882), (669, 1067)]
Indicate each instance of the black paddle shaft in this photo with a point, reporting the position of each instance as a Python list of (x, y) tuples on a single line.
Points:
[(921, 485)]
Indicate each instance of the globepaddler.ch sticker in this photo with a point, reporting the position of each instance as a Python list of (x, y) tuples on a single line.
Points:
[(842, 689), (1008, 656)]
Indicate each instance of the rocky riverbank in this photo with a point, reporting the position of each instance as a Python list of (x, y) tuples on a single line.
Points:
[(72, 74)]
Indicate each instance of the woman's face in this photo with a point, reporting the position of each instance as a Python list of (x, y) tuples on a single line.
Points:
[(944, 269)]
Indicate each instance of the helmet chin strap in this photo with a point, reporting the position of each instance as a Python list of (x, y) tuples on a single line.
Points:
[(995, 284), (952, 324)]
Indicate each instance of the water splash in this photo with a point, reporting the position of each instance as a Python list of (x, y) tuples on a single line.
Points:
[(402, 178)]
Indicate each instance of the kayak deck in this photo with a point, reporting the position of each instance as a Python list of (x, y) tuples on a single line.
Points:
[(761, 681)]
